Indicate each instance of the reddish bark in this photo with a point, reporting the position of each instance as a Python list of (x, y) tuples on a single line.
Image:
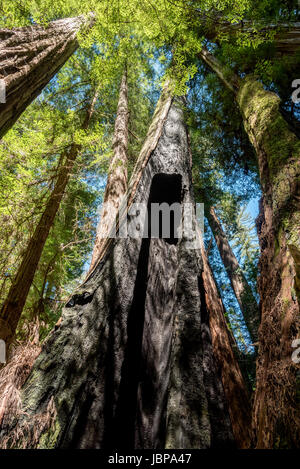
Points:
[(29, 58), (223, 343), (278, 155), (237, 279), (116, 186)]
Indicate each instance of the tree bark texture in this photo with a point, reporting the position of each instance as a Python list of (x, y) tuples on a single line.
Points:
[(240, 286), (13, 306), (29, 58), (116, 185), (286, 35), (132, 365), (278, 155), (223, 347)]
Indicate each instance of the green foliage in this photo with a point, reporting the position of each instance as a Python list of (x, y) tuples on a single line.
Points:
[(33, 148)]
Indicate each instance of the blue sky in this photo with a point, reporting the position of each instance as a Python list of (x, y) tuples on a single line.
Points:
[(252, 207)]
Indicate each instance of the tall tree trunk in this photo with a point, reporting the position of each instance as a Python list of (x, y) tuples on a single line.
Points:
[(223, 346), (286, 38), (278, 154), (29, 58), (116, 185), (132, 364), (13, 305), (240, 286)]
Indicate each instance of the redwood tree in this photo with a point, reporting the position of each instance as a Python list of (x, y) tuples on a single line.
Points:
[(29, 57), (278, 155), (116, 185), (227, 364), (241, 288), (132, 363), (286, 38)]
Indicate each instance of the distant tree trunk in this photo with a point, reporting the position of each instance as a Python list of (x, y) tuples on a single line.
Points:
[(223, 347), (29, 58), (286, 39), (116, 185), (240, 286), (131, 364), (13, 305), (278, 154)]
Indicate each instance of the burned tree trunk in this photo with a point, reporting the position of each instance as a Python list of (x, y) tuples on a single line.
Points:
[(223, 347), (241, 288), (13, 306), (29, 58), (131, 364), (278, 154), (116, 185)]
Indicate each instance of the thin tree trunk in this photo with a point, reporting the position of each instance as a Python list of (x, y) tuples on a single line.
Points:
[(278, 154), (116, 185), (227, 365), (29, 58), (240, 286), (12, 308)]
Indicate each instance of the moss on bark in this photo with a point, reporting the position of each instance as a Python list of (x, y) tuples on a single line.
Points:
[(278, 152)]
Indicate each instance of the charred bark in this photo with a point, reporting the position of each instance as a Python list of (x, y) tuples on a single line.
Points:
[(29, 58), (116, 185), (13, 305), (240, 286), (131, 364), (278, 155)]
